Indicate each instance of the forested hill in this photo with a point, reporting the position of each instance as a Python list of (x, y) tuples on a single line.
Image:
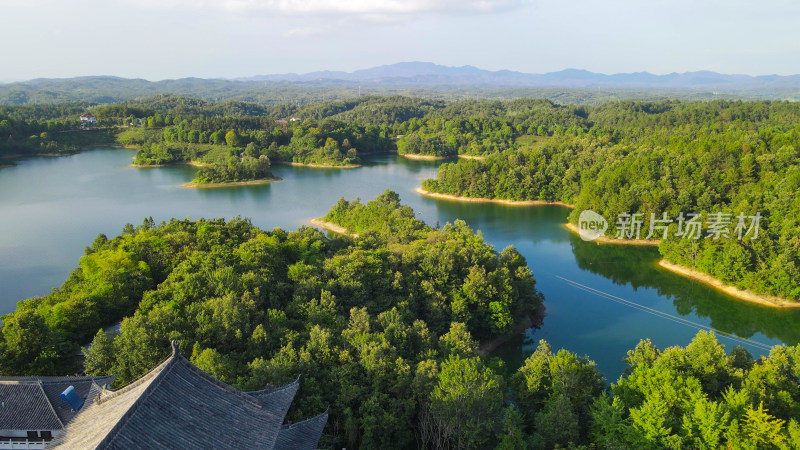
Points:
[(667, 158), (366, 323), (384, 331), (722, 157)]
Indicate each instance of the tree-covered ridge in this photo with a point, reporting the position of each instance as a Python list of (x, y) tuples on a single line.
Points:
[(481, 128), (366, 323), (363, 125), (107, 89), (624, 157), (328, 142), (53, 130), (669, 157)]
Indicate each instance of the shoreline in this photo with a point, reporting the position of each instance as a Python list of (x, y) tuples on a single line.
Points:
[(423, 157), (332, 227), (488, 348), (479, 158), (15, 156), (317, 166), (609, 240), (193, 185), (459, 198), (746, 295), (172, 163)]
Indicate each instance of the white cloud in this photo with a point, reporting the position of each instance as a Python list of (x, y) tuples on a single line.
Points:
[(363, 8)]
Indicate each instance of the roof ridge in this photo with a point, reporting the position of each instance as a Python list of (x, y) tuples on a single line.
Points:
[(218, 383), (292, 425), (137, 382), (50, 378), (75, 379), (128, 415), (47, 400), (277, 388)]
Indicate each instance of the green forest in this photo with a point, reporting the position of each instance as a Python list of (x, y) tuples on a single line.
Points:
[(667, 158), (385, 331), (647, 158), (107, 90)]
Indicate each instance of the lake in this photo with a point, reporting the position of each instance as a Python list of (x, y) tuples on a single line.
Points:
[(600, 299)]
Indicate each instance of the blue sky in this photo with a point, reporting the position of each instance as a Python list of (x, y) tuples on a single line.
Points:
[(159, 39)]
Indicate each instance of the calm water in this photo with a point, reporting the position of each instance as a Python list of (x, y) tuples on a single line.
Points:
[(51, 208)]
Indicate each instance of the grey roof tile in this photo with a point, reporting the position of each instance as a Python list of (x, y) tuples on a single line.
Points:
[(24, 406), (177, 405), (278, 399), (302, 435), (54, 386)]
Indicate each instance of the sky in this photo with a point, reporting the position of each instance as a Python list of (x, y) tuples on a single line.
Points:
[(167, 39)]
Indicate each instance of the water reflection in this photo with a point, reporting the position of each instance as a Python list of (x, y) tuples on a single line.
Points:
[(636, 266), (51, 208)]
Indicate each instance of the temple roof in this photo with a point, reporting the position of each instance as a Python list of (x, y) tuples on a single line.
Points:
[(278, 398), (34, 403), (302, 435), (177, 405)]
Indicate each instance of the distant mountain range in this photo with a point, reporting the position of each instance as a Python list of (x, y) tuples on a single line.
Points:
[(413, 78), (427, 74)]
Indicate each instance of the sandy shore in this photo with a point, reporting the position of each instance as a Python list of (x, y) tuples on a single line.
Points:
[(423, 157), (479, 158), (761, 299), (174, 163), (610, 240), (317, 166), (733, 291), (338, 229), (459, 198), (193, 185), (150, 166)]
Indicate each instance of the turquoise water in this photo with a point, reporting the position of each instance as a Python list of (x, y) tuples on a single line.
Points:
[(600, 299)]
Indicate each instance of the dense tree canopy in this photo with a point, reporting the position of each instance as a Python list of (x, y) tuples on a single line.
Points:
[(731, 158), (385, 328), (366, 322)]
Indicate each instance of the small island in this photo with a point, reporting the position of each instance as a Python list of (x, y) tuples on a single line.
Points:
[(237, 159), (220, 166)]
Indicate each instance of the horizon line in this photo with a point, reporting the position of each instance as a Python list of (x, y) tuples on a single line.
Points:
[(246, 77)]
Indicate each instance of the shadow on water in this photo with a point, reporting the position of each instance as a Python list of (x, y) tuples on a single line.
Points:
[(509, 224), (636, 266)]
